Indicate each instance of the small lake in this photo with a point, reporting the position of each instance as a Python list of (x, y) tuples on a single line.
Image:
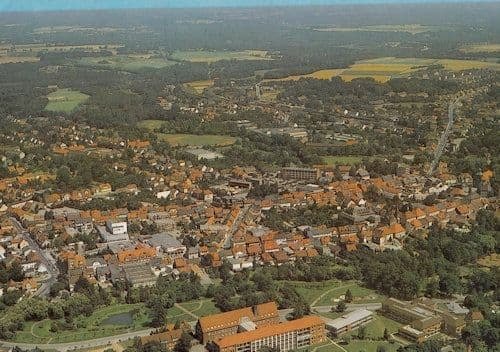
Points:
[(119, 319)]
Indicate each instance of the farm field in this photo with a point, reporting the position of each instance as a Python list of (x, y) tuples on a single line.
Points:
[(481, 48), (65, 100), (341, 159), (7, 59), (199, 86), (385, 68), (34, 49), (132, 63), (196, 140), (408, 28), (213, 56)]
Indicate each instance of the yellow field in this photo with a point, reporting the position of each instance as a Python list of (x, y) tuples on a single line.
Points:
[(385, 68), (408, 28), (200, 86), (14, 59), (481, 48)]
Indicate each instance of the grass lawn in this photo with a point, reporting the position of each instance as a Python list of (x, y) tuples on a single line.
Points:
[(341, 159), (213, 56), (360, 295), (201, 308), (199, 86), (150, 124), (65, 100), (87, 327), (131, 63), (311, 291), (375, 328), (196, 140), (370, 346)]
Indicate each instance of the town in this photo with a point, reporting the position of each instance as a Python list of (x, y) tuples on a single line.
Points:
[(149, 205)]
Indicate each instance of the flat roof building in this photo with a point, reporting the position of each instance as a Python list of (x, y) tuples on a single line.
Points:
[(287, 336), (349, 321)]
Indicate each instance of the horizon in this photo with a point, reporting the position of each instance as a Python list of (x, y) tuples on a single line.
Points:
[(64, 5)]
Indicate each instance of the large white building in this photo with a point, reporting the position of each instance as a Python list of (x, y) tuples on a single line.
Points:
[(349, 321), (114, 231)]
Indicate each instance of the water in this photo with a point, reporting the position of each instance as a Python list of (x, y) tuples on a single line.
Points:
[(119, 319), (43, 5)]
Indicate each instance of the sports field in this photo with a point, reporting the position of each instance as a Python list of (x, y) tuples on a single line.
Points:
[(196, 140), (199, 86), (65, 100), (150, 124), (213, 56), (131, 63)]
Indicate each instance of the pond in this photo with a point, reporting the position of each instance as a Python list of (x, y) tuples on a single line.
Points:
[(119, 319)]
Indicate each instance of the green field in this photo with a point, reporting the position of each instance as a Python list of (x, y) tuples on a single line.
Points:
[(213, 56), (370, 346), (196, 140), (87, 327), (94, 326), (65, 100), (131, 63), (150, 124), (341, 159)]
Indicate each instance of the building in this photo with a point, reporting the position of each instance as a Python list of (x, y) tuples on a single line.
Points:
[(217, 326), (296, 173), (287, 336), (114, 231), (168, 338), (422, 318), (169, 245), (349, 321)]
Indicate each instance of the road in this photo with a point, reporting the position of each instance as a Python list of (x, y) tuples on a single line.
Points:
[(46, 259), (103, 341)]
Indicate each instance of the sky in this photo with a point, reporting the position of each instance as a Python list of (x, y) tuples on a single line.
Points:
[(46, 5)]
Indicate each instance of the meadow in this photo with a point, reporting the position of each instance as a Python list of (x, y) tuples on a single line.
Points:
[(65, 100), (199, 86), (342, 159), (196, 140), (131, 63), (150, 124), (481, 48), (214, 56)]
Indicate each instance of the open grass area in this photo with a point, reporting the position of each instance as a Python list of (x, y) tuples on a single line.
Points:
[(384, 68), (481, 48), (201, 308), (375, 328), (370, 346), (199, 86), (65, 100), (91, 327), (341, 159), (196, 140), (150, 124), (213, 56), (131, 63), (9, 59), (408, 28)]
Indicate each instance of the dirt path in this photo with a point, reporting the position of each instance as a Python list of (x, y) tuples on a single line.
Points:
[(187, 311)]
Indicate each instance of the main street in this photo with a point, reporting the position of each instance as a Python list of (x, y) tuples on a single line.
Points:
[(45, 256)]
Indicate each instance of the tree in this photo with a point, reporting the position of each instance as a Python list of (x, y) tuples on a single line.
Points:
[(362, 332), (341, 307), (184, 343), (381, 348), (386, 334), (449, 283), (348, 296)]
